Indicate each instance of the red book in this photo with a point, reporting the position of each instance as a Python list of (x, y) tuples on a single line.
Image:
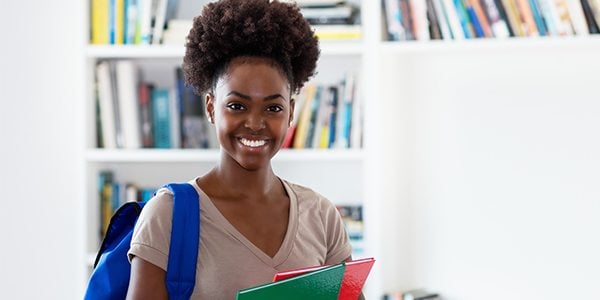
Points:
[(355, 275)]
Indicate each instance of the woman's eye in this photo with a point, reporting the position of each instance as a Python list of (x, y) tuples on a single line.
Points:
[(235, 106), (274, 108)]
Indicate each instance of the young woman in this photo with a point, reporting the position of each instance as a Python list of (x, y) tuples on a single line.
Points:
[(248, 57)]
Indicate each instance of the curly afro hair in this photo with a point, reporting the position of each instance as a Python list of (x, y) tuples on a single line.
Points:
[(232, 28)]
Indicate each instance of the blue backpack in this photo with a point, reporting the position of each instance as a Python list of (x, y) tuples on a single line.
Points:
[(110, 278)]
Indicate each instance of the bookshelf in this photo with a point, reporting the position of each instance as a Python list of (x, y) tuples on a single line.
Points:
[(150, 168), (426, 103)]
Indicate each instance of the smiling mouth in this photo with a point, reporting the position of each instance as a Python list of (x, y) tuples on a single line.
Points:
[(252, 143)]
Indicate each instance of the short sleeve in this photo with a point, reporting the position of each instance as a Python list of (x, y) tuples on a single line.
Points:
[(338, 243), (152, 232)]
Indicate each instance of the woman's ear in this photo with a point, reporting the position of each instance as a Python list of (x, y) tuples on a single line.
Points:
[(209, 102), (292, 108)]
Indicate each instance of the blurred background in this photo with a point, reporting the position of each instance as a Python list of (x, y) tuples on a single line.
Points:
[(471, 170)]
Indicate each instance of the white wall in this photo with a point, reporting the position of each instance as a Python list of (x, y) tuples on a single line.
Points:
[(40, 149), (495, 192)]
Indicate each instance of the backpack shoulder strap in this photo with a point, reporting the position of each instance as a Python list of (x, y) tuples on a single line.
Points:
[(185, 234)]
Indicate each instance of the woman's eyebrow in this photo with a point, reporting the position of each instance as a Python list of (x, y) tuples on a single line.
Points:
[(267, 98)]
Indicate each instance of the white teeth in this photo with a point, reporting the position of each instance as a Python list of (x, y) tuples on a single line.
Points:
[(252, 143)]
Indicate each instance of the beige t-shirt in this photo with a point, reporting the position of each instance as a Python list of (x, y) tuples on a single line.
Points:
[(227, 261)]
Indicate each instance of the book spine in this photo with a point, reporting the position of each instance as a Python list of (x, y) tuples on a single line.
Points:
[(161, 118), (421, 24), (463, 16), (482, 18), (580, 25), (595, 10), (589, 16), (549, 19), (434, 26), (312, 123), (497, 24), (453, 20), (333, 115), (119, 20), (475, 21), (394, 20), (175, 119), (346, 117), (304, 117), (538, 18), (442, 20), (127, 86), (144, 34), (514, 19), (105, 103), (527, 20), (159, 22), (131, 17), (504, 16), (100, 22), (144, 91), (564, 18)]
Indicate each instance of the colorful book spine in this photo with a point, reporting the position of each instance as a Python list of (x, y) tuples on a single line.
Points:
[(463, 16), (538, 18), (497, 23), (161, 121), (100, 19)]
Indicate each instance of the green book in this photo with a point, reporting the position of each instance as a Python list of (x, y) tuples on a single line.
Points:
[(323, 284)]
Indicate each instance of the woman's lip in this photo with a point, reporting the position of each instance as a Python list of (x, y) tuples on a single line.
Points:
[(254, 137), (246, 142)]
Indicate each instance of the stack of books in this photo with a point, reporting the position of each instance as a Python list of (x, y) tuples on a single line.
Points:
[(332, 20)]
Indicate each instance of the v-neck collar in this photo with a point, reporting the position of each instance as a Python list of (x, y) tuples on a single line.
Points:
[(288, 241)]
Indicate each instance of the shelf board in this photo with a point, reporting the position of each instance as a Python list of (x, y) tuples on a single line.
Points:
[(521, 43), (134, 51), (171, 51), (212, 155)]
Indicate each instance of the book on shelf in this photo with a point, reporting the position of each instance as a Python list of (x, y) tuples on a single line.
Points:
[(593, 9), (144, 93), (393, 20), (119, 22), (312, 112), (316, 3), (338, 14), (344, 32), (496, 24), (340, 281), (194, 124), (112, 194), (588, 14), (161, 106), (458, 19), (106, 105), (453, 19), (288, 141), (352, 217), (128, 102), (99, 21), (135, 114), (538, 18)]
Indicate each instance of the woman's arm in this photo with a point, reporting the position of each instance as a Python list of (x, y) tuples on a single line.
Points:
[(147, 281)]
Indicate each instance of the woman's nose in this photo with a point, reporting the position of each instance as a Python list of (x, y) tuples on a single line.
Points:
[(255, 122)]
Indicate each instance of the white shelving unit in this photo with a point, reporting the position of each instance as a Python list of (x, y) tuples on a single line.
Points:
[(460, 139), (340, 171)]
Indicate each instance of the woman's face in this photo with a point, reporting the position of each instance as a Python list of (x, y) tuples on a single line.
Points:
[(251, 109)]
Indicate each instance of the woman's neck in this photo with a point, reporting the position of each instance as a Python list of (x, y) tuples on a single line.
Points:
[(235, 181)]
